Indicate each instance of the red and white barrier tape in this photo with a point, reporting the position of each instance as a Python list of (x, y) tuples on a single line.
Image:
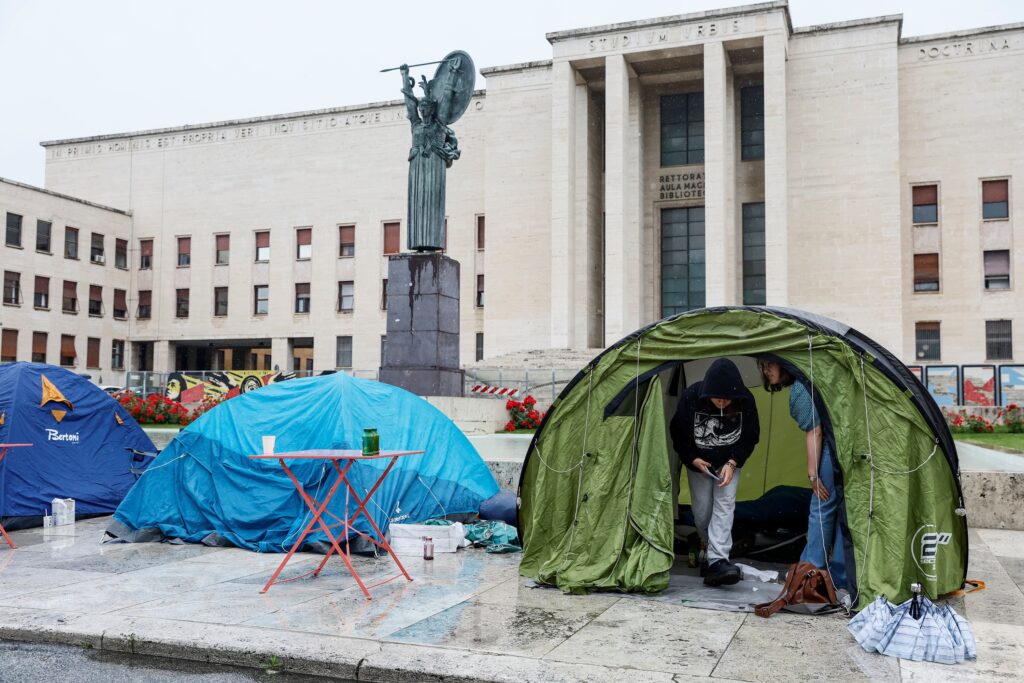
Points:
[(493, 391)]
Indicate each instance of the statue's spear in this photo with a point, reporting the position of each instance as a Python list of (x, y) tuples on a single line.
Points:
[(396, 68)]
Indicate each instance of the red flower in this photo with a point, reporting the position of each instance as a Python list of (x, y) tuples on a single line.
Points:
[(529, 401), (533, 415), (510, 427), (159, 418)]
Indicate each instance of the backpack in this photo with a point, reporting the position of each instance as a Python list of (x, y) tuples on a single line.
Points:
[(805, 585)]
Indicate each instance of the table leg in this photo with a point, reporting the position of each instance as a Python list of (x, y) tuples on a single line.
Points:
[(361, 509), (2, 529)]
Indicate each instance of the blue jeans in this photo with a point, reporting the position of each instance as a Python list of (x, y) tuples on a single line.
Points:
[(822, 528)]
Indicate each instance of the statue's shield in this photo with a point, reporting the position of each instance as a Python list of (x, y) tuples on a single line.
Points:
[(452, 86)]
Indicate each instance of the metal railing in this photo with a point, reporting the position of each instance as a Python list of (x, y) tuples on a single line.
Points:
[(544, 384)]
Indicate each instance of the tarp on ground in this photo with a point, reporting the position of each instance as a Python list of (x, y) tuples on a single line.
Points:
[(204, 486), (78, 434)]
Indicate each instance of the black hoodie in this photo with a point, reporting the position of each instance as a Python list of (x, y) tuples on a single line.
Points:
[(700, 430)]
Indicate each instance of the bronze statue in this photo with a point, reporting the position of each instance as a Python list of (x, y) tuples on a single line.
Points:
[(434, 145)]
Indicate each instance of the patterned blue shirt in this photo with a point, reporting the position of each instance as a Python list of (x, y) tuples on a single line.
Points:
[(801, 407)]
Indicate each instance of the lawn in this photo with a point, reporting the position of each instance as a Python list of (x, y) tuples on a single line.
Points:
[(999, 439)]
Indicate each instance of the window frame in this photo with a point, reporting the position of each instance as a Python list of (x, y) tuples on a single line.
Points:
[(10, 333), (117, 354), (146, 260), (342, 296), (937, 204), (384, 294), (988, 219), (342, 244), (257, 247), (20, 230), (184, 259), (15, 299), (257, 300), (68, 232), (217, 302), (919, 341), (478, 299), (748, 149), (45, 306), (991, 341), (385, 225), (918, 279), (147, 312), (73, 308), (338, 356), (34, 355), (120, 253), (49, 236), (97, 311), (97, 254), (299, 245), (299, 297), (217, 251), (985, 277), (179, 300), (689, 155)]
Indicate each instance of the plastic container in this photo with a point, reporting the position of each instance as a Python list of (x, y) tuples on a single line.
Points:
[(63, 511), (371, 441), (428, 548)]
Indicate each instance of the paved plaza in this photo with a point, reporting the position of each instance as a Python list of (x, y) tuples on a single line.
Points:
[(467, 616)]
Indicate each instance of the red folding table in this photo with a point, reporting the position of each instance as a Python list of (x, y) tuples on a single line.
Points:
[(4, 447), (319, 508)]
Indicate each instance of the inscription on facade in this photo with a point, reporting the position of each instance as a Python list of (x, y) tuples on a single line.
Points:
[(671, 34), (312, 124), (688, 185), (968, 48)]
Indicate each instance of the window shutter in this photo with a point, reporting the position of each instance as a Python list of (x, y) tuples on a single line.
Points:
[(926, 268), (997, 263), (42, 285), (95, 293), (348, 234), (145, 297), (69, 289), (927, 327), (67, 345), (92, 353), (926, 194), (184, 245), (119, 300), (995, 191), (262, 239), (392, 238), (9, 344), (223, 242), (480, 232), (304, 236), (146, 247), (301, 288), (39, 343)]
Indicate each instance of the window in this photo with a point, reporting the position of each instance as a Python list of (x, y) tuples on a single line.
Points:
[(68, 356), (263, 246), (392, 238), (752, 123), (220, 301), (70, 301), (13, 237), (145, 310), (8, 346), (480, 291), (682, 129), (184, 251), (121, 254), (145, 254), (117, 354), (480, 230), (92, 352), (96, 252), (683, 282), (997, 269), (71, 242), (95, 300), (39, 347), (343, 358), (12, 287), (995, 196), (302, 297), (998, 340), (926, 204), (926, 272), (346, 296), (754, 277), (479, 345), (120, 304), (223, 250), (41, 298), (383, 348), (261, 298), (384, 294), (43, 230), (346, 240), (181, 303), (927, 339), (303, 243)]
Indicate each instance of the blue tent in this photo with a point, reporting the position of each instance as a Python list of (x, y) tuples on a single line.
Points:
[(78, 435), (204, 488)]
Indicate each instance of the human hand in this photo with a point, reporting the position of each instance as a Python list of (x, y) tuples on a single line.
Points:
[(728, 471), (820, 490), (404, 68), (704, 466)]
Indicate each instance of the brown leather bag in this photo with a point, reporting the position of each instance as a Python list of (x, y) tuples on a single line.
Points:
[(805, 584)]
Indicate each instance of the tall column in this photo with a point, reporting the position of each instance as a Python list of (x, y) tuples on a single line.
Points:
[(563, 201), (623, 247), (719, 179), (775, 200), (163, 355), (584, 306), (281, 353)]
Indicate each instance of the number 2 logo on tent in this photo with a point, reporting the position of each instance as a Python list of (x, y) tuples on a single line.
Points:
[(924, 546)]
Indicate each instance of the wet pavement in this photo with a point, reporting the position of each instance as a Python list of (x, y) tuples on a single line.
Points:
[(466, 616)]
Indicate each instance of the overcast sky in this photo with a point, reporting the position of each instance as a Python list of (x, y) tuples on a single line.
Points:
[(86, 67)]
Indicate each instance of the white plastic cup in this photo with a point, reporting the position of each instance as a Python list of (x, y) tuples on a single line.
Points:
[(268, 444)]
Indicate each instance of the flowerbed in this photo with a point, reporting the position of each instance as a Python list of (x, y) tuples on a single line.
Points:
[(1013, 417), (523, 415), (160, 410)]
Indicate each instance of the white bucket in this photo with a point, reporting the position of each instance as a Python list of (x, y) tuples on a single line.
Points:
[(63, 511)]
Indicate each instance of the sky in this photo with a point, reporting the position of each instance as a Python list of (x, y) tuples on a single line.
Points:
[(75, 68)]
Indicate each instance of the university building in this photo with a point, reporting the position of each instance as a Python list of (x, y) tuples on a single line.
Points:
[(647, 168)]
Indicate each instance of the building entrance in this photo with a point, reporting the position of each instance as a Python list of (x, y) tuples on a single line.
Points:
[(682, 260)]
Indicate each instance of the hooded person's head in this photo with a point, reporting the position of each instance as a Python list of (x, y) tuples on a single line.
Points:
[(723, 384)]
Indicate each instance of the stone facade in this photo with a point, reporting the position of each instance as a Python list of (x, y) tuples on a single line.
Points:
[(564, 162)]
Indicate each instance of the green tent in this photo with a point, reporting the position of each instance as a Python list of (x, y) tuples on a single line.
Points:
[(597, 494)]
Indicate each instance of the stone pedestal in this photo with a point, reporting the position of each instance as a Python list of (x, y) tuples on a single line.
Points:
[(422, 351)]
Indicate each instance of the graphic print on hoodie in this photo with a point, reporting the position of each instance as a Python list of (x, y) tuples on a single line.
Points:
[(700, 430)]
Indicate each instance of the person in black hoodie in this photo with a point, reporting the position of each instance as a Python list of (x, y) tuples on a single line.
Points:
[(714, 431)]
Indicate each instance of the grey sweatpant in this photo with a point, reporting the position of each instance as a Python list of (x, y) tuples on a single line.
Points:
[(713, 510)]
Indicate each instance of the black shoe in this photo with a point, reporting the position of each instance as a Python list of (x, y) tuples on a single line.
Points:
[(721, 573)]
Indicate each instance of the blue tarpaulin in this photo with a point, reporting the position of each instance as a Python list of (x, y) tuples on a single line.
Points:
[(203, 484), (78, 435)]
